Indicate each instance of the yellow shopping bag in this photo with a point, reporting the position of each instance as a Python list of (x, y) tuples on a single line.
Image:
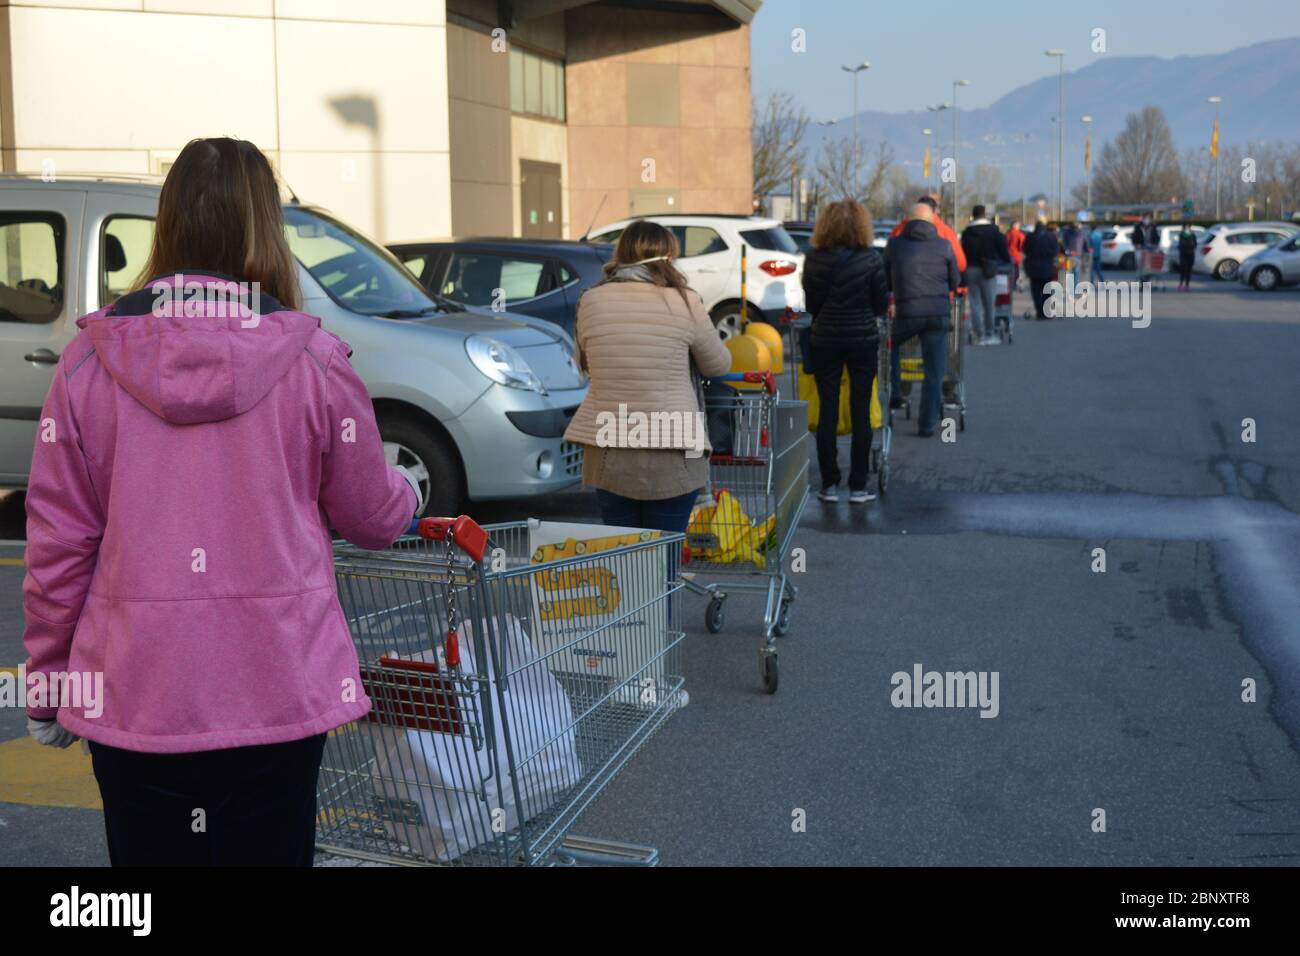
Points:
[(723, 533), (808, 393)]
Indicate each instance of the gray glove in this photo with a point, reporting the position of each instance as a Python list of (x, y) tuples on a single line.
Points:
[(50, 733), (415, 485)]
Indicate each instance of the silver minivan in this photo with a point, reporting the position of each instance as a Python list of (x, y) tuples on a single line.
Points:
[(474, 405)]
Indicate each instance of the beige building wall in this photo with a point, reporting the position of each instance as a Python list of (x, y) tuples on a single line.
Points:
[(478, 72), (659, 114), (349, 99)]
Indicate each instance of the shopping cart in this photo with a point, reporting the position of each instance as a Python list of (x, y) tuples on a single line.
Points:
[(759, 487), (1151, 267), (1002, 304), (509, 683), (912, 367)]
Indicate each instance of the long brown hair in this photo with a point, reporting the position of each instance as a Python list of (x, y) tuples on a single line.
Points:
[(843, 225), (220, 211), (644, 240)]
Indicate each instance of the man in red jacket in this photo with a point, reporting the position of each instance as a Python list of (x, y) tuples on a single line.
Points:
[(945, 231), (1016, 246)]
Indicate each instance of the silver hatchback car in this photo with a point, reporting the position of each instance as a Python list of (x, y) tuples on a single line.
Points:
[(475, 405)]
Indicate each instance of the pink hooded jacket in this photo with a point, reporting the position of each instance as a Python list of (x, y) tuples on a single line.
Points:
[(186, 473)]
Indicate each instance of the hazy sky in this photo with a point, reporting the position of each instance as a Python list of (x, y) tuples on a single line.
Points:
[(918, 48)]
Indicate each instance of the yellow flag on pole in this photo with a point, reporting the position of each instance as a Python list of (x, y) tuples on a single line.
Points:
[(1087, 154), (925, 173), (1214, 140)]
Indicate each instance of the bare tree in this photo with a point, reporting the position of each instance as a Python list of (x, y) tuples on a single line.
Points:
[(1140, 165), (843, 172), (985, 186), (778, 131)]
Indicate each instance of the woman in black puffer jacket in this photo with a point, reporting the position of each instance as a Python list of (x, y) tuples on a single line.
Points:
[(845, 285)]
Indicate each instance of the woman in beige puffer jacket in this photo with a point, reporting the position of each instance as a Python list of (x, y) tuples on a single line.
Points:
[(644, 432)]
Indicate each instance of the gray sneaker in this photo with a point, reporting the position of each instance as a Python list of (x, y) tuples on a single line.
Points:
[(830, 493), (861, 497)]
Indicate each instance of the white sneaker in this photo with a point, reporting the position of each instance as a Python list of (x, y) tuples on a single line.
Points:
[(829, 494), (861, 497), (992, 340)]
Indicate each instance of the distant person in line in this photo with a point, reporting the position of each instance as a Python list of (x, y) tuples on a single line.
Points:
[(639, 330), (986, 252), (1072, 240), (1016, 247), (1096, 238), (847, 290), (1143, 234), (923, 274), (1041, 252), (945, 231), (1186, 256)]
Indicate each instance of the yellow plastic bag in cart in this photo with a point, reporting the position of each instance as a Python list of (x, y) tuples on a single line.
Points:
[(808, 393), (732, 534)]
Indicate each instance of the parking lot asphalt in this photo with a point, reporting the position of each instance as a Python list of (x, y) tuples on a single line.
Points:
[(1118, 691)]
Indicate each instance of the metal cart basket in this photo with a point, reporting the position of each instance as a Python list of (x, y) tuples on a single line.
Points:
[(760, 487), (509, 683)]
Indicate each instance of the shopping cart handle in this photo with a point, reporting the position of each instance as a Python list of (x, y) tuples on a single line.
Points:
[(768, 380), (464, 531)]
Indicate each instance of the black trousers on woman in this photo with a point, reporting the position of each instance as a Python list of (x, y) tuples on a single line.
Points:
[(245, 806), (827, 364)]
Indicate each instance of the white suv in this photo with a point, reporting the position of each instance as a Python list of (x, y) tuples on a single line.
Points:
[(1222, 250), (710, 260)]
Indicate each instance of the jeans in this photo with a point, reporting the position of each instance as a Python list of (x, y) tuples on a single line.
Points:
[(664, 514), (828, 364), (258, 803), (933, 331), (983, 293), (1095, 273)]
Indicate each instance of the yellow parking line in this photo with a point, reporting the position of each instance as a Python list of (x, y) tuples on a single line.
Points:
[(46, 776)]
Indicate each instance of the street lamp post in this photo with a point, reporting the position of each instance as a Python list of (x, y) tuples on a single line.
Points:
[(956, 169), (855, 70), (1218, 155), (1060, 135), (1087, 160)]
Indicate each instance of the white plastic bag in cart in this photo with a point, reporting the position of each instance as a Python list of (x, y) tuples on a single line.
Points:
[(1001, 284), (443, 796)]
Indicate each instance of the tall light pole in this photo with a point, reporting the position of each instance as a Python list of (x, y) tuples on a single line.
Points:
[(1218, 153), (1060, 135), (1087, 160), (855, 70), (935, 108), (956, 169)]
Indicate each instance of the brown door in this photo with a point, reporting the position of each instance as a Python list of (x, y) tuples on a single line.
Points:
[(539, 188)]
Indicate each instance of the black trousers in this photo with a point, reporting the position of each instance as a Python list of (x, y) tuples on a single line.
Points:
[(827, 364), (1036, 288), (1185, 264), (245, 806)]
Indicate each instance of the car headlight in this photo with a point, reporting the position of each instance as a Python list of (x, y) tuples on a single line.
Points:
[(501, 363)]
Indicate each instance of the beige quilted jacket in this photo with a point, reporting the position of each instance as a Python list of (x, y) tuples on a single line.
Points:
[(636, 340)]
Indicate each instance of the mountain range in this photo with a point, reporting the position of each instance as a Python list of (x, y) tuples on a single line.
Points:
[(1259, 84)]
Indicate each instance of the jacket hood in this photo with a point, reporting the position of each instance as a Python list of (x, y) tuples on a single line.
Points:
[(198, 347), (919, 229)]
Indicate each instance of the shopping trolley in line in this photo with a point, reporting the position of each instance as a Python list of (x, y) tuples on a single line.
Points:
[(912, 367), (759, 485), (511, 675)]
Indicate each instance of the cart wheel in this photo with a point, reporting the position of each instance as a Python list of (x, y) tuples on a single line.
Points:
[(782, 625), (882, 479), (771, 675), (961, 423), (714, 616)]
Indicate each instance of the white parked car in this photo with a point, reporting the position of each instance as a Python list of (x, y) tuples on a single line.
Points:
[(1225, 246), (1169, 243), (1276, 266), (1117, 247), (710, 260)]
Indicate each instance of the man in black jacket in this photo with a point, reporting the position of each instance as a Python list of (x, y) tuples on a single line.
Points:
[(923, 274), (986, 251)]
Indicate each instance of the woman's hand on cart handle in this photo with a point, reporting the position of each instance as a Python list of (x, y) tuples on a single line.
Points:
[(465, 533)]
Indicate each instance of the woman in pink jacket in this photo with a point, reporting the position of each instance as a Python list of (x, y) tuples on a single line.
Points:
[(200, 438)]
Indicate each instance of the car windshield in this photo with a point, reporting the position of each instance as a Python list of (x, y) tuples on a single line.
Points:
[(774, 239), (353, 271)]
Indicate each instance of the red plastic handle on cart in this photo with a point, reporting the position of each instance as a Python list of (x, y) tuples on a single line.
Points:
[(465, 533), (767, 378)]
